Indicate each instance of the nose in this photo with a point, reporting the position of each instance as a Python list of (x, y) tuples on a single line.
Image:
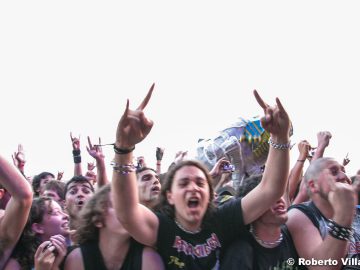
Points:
[(193, 186), (343, 177), (65, 216)]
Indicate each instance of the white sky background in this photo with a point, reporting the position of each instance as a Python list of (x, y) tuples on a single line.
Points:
[(70, 66)]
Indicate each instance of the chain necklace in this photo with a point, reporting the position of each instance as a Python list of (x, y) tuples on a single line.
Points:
[(265, 243), (185, 230)]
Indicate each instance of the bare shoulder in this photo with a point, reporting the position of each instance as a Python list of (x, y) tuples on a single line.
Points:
[(305, 235), (74, 260), (151, 260)]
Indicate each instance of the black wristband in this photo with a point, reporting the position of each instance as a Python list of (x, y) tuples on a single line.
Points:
[(77, 159), (339, 232), (76, 152), (123, 151)]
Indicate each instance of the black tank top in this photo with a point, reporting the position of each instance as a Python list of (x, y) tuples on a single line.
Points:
[(93, 259), (321, 223)]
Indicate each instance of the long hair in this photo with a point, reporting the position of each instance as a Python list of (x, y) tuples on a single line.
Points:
[(29, 241), (93, 212), (167, 209)]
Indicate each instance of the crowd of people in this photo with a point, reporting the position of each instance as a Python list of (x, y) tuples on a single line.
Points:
[(187, 217)]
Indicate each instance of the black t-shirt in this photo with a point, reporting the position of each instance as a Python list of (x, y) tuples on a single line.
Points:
[(93, 259), (248, 254), (181, 250)]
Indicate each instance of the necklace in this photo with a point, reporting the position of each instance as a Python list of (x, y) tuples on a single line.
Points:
[(185, 230), (265, 243)]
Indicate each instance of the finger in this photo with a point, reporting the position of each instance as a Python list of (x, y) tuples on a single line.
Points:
[(260, 101), (280, 106), (89, 141), (147, 98), (71, 136)]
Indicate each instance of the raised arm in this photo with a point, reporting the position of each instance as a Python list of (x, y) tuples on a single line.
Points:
[(17, 210), (138, 220), (76, 154), (296, 172), (276, 121), (323, 138), (96, 152)]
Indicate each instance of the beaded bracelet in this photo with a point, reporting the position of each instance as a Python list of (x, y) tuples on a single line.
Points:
[(123, 169), (279, 145), (339, 232)]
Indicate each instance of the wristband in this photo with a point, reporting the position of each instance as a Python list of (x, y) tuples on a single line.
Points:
[(279, 145), (123, 151), (339, 232), (123, 169)]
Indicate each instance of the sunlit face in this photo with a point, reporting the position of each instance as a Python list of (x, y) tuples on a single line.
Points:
[(277, 214), (149, 186), (332, 173), (190, 195), (55, 221), (76, 196), (43, 182)]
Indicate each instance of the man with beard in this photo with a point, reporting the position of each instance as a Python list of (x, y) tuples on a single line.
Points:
[(149, 186), (322, 227), (77, 191)]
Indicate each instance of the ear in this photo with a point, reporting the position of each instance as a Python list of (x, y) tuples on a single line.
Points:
[(38, 228), (313, 187), (169, 197)]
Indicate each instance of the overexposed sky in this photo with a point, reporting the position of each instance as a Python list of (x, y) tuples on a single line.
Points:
[(70, 66)]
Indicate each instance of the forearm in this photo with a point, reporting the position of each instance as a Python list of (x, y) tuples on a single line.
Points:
[(276, 169), (125, 189), (295, 178), (101, 176), (331, 248), (158, 167)]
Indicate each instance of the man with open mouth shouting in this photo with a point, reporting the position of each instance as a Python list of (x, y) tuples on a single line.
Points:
[(186, 230)]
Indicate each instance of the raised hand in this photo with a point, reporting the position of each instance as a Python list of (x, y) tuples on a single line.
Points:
[(19, 157), (60, 175), (133, 126), (75, 142), (275, 120), (95, 151), (346, 160), (180, 156), (323, 138), (159, 153)]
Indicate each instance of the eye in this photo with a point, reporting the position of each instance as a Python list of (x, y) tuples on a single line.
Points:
[(146, 178), (86, 191)]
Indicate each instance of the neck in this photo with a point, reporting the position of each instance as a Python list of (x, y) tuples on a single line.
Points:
[(114, 249), (267, 235), (188, 228), (324, 206)]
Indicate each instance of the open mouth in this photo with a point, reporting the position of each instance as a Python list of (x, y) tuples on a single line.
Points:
[(280, 209), (155, 188), (79, 202), (193, 202)]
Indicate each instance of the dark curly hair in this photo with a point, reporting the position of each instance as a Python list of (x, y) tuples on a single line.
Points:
[(29, 241), (167, 209)]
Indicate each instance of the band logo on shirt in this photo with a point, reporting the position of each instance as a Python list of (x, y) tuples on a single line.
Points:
[(199, 251)]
